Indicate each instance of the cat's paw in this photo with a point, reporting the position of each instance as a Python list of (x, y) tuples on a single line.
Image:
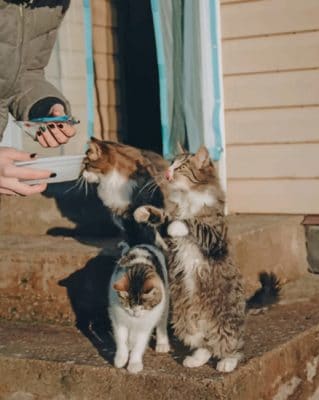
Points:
[(134, 368), (141, 214), (177, 229), (193, 362), (227, 364), (162, 348), (120, 360)]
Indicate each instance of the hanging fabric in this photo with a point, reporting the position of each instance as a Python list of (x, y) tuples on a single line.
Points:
[(188, 52)]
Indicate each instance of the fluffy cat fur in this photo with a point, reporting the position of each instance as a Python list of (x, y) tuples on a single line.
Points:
[(138, 299), (207, 296), (126, 178)]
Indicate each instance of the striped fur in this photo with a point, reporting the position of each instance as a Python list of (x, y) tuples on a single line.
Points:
[(207, 296)]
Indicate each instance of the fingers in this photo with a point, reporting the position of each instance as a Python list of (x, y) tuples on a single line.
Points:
[(12, 154), (6, 191), (57, 110), (12, 185), (55, 134), (11, 171)]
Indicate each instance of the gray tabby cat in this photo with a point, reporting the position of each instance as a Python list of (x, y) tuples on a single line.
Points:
[(138, 302), (206, 289)]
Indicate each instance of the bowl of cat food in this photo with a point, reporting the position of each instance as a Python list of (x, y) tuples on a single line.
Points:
[(66, 168)]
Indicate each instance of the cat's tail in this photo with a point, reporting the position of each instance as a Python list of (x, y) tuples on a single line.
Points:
[(268, 294)]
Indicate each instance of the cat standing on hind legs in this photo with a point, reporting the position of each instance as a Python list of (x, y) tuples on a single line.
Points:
[(207, 296)]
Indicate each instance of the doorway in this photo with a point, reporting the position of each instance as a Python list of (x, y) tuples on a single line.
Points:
[(140, 84)]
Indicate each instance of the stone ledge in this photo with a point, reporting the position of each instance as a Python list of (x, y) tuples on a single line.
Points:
[(49, 362), (49, 278)]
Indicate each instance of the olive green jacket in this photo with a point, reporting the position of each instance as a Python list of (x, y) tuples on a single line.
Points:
[(27, 36)]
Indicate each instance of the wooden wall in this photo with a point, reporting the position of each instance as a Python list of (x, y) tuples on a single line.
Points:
[(106, 58), (271, 80)]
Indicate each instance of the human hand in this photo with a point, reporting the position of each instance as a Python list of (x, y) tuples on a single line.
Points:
[(56, 133), (10, 174)]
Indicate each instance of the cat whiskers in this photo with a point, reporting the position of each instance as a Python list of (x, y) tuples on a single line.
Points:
[(151, 185), (79, 184)]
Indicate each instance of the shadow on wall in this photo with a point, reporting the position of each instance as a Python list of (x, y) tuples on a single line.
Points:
[(81, 206)]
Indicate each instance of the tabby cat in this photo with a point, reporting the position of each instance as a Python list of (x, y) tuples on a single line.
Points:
[(138, 302), (206, 289), (126, 178)]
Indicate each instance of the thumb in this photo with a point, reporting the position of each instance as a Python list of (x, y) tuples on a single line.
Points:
[(57, 110)]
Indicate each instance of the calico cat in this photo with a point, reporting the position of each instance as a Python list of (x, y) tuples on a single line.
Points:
[(138, 302), (206, 288), (127, 178)]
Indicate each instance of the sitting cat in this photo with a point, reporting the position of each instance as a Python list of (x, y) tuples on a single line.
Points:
[(127, 178), (206, 289), (138, 302)]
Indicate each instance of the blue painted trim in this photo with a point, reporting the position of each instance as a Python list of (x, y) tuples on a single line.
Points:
[(218, 148), (89, 67), (162, 78)]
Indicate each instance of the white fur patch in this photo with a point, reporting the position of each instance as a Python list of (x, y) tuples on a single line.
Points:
[(115, 190), (191, 202), (227, 364), (90, 177), (189, 259), (197, 359), (177, 229)]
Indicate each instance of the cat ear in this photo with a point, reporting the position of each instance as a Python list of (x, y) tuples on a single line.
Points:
[(202, 158), (149, 285), (180, 148), (122, 284), (94, 152)]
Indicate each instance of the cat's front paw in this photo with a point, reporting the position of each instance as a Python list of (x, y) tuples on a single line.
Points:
[(177, 229), (227, 364), (134, 368), (162, 348), (192, 362), (141, 214), (120, 360)]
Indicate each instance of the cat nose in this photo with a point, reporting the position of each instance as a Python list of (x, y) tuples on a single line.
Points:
[(168, 175)]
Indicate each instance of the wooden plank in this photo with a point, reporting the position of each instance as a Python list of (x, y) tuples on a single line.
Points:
[(268, 17), (272, 53), (262, 197), (237, 1), (272, 90), (273, 161), (272, 126)]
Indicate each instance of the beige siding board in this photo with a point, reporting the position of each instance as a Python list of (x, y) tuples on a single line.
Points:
[(104, 13), (224, 2), (75, 91), (272, 90), (273, 161), (72, 36), (273, 125), (75, 12), (268, 17), (273, 53), (100, 39), (281, 196), (72, 65)]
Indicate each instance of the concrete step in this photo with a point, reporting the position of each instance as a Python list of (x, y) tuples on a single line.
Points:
[(61, 279), (32, 270), (47, 362), (62, 209)]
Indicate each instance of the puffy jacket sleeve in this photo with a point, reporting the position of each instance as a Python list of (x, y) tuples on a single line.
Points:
[(32, 88)]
